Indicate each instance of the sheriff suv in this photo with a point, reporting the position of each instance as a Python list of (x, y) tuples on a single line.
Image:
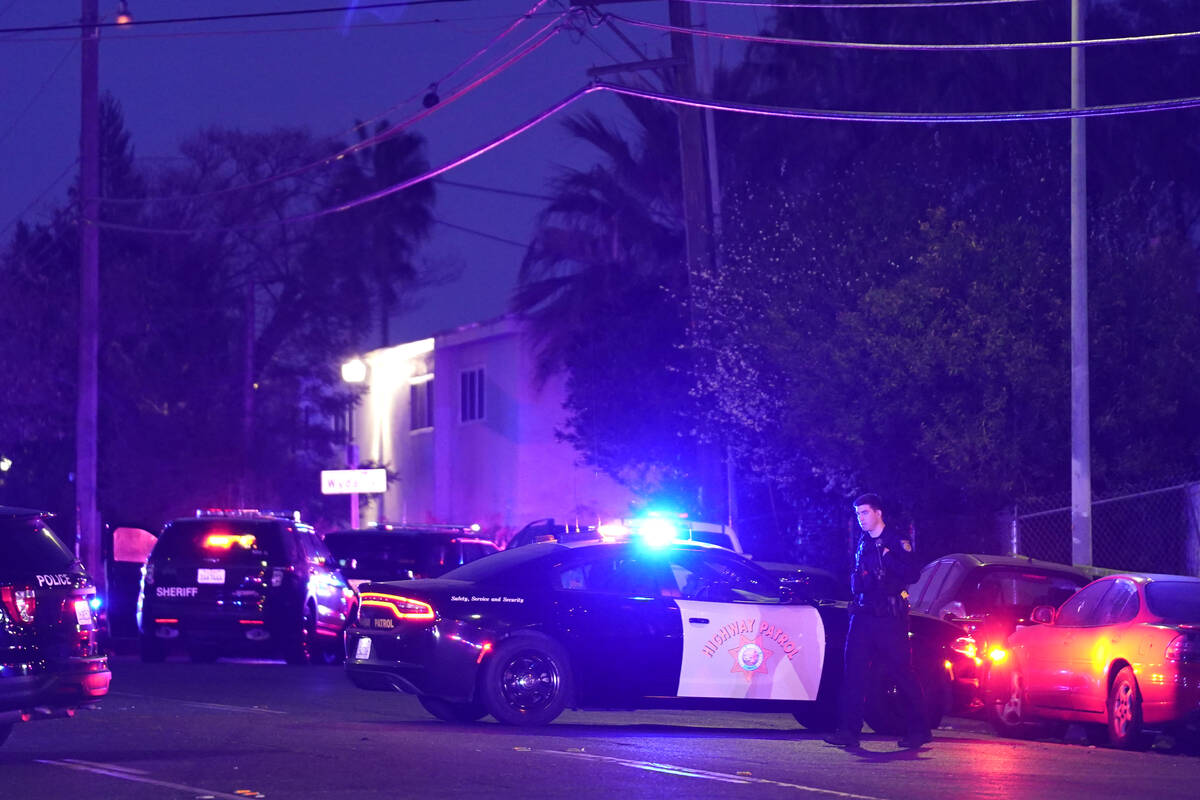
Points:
[(50, 661), (243, 582)]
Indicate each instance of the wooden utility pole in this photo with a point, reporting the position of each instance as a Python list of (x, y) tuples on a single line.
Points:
[(87, 518)]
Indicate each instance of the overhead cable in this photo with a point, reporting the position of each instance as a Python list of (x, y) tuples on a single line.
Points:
[(292, 12), (716, 105), (890, 46), (526, 48), (780, 6)]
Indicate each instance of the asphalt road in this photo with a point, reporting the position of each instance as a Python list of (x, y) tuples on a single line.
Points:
[(237, 729)]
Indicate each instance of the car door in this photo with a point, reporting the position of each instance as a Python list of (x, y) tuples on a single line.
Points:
[(1094, 646), (1052, 654), (621, 632), (739, 639)]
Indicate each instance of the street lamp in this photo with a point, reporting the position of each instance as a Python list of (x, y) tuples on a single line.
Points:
[(353, 372)]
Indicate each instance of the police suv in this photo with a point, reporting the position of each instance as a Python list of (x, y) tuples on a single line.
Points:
[(50, 661), (243, 582)]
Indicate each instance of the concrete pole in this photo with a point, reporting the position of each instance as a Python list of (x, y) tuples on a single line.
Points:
[(1081, 457), (87, 518)]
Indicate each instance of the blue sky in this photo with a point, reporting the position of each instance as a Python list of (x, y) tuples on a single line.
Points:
[(323, 72)]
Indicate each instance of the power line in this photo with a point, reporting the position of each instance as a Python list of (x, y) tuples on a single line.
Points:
[(888, 46), (21, 115), (524, 49), (495, 190), (491, 236), (741, 108), (295, 12), (778, 6)]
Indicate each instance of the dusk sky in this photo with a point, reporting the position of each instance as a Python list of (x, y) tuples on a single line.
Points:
[(324, 71)]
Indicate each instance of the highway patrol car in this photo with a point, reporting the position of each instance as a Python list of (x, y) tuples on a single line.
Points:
[(529, 631), (50, 661)]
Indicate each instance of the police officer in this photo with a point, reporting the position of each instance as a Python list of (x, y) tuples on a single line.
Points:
[(884, 565)]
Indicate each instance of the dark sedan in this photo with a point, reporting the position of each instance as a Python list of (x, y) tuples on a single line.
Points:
[(990, 597), (527, 632)]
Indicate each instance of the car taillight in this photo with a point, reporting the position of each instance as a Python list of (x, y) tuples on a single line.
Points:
[(19, 603), (997, 654), (966, 646), (401, 607), (1183, 649), (224, 541)]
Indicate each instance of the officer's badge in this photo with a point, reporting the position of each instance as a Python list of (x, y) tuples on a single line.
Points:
[(907, 545)]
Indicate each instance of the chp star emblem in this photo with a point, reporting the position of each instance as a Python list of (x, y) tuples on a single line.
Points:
[(750, 657)]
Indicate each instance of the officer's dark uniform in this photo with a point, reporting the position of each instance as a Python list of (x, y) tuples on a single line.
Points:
[(878, 632)]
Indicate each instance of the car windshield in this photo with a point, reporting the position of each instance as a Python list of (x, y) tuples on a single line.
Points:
[(29, 547), (1174, 600), (1016, 590), (230, 541), (377, 555)]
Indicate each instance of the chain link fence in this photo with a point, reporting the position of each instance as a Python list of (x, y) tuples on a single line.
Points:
[(1150, 531)]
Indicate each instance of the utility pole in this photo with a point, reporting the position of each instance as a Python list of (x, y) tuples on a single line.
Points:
[(87, 518), (1081, 448)]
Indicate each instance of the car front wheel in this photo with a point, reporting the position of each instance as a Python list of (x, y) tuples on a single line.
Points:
[(1009, 709), (526, 681)]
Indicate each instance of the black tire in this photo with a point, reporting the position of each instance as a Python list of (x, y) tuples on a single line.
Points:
[(151, 650), (447, 711), (1125, 712), (301, 643), (1008, 710), (5, 730), (526, 681)]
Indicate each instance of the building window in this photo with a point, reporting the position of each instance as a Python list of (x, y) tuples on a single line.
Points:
[(472, 395), (420, 405)]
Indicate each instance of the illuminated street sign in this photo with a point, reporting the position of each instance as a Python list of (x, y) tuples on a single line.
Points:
[(353, 481)]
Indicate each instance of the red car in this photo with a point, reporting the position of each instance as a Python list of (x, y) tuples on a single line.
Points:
[(1123, 652)]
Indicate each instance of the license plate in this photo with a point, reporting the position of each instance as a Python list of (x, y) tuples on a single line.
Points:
[(206, 575), (362, 650), (83, 612)]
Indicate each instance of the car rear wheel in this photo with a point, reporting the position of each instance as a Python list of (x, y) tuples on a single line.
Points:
[(1125, 712), (447, 711), (885, 708), (526, 681), (816, 716)]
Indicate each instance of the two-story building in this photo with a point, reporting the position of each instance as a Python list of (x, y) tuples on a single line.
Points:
[(469, 434)]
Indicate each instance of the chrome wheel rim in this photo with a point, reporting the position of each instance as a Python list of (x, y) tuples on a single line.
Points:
[(1122, 708), (1012, 711), (529, 681)]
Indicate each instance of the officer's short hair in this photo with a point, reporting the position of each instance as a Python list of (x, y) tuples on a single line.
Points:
[(872, 500)]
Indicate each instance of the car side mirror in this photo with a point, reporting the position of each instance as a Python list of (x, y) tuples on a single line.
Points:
[(1042, 614)]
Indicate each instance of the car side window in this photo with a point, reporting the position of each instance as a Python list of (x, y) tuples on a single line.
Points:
[(623, 576), (1086, 607), (1120, 604)]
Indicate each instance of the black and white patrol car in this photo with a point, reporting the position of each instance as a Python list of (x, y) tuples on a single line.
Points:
[(243, 582), (529, 631), (50, 660)]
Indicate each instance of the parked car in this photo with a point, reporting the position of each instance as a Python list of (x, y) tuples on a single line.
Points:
[(654, 526), (989, 597), (51, 662), (809, 581), (398, 552), (527, 632), (243, 582), (1123, 652)]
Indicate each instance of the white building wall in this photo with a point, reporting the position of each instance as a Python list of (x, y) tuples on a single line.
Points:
[(500, 471)]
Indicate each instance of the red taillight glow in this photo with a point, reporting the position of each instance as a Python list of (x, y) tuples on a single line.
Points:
[(224, 541), (997, 654), (19, 603), (401, 607), (966, 645)]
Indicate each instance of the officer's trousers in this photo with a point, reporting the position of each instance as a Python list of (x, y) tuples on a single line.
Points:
[(877, 649)]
